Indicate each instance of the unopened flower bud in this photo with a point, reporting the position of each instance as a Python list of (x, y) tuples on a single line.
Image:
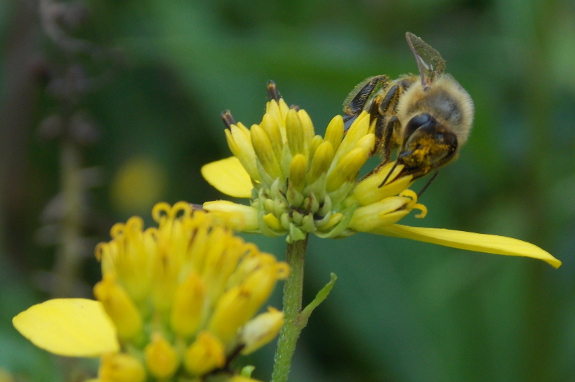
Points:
[(188, 303), (161, 358), (261, 330), (205, 354), (119, 307), (121, 367)]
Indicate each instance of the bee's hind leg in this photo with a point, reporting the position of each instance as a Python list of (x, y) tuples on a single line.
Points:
[(353, 106)]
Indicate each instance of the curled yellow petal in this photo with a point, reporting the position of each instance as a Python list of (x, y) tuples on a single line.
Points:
[(69, 327), (229, 177), (497, 245)]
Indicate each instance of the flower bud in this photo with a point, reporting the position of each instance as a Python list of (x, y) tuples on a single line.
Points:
[(119, 307), (161, 358), (188, 303), (321, 161), (261, 330), (334, 132), (295, 133), (121, 367), (205, 354), (240, 144), (297, 171), (347, 169), (264, 152)]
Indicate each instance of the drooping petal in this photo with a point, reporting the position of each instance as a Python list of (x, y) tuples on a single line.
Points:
[(498, 245), (69, 327), (229, 176), (239, 216)]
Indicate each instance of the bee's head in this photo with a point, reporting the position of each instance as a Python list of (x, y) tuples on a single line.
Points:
[(427, 144)]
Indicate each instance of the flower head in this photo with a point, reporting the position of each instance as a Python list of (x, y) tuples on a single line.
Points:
[(178, 299), (300, 183)]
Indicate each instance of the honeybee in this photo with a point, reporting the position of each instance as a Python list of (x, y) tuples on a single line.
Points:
[(427, 117)]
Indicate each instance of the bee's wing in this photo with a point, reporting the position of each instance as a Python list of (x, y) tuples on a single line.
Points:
[(429, 61)]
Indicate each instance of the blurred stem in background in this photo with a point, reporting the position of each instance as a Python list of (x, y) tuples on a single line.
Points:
[(67, 85), (67, 254)]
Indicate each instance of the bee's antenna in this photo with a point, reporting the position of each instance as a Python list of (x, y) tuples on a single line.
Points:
[(427, 184), (401, 155), (388, 174)]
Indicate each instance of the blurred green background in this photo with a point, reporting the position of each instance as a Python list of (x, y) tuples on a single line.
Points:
[(140, 85)]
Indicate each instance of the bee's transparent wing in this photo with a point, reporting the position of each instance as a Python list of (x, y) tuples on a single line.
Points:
[(429, 61)]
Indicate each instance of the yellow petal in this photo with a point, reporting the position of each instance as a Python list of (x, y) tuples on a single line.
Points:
[(240, 217), (498, 245), (229, 177), (69, 327)]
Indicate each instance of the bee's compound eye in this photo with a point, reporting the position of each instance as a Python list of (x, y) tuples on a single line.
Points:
[(440, 137), (415, 123)]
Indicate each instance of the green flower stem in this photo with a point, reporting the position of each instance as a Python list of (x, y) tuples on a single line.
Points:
[(292, 298), (295, 318)]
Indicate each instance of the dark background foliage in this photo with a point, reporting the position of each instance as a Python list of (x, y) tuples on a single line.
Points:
[(140, 99)]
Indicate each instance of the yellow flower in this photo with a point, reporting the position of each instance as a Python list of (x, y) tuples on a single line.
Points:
[(175, 301), (300, 183)]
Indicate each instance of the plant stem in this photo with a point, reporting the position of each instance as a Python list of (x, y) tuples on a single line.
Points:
[(292, 304), (68, 254)]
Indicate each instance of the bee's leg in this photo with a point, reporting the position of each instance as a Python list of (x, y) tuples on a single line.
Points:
[(427, 184), (391, 95), (380, 131), (387, 143), (384, 135), (383, 130), (358, 102)]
